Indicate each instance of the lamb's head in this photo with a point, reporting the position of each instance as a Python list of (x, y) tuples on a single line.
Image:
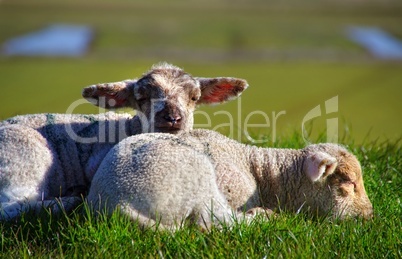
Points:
[(165, 97), (336, 181)]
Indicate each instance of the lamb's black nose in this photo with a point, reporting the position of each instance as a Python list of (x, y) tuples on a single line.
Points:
[(172, 119)]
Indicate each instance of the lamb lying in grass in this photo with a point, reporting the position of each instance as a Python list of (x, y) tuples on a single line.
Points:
[(206, 177), (43, 156)]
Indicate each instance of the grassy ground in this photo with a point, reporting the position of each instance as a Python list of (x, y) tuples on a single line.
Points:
[(287, 236)]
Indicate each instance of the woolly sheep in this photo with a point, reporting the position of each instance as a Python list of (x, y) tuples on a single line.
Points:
[(171, 178), (43, 156)]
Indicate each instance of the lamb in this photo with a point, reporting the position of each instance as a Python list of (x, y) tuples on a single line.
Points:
[(43, 156), (202, 176)]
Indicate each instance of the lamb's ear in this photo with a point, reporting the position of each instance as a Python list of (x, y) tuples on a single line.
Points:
[(111, 95), (318, 164), (220, 89)]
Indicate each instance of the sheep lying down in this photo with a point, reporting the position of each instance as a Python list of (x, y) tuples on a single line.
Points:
[(43, 156), (207, 178)]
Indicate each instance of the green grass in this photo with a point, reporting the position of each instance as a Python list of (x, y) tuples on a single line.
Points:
[(294, 55), (289, 236)]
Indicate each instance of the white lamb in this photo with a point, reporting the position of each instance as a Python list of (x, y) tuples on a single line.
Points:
[(43, 156), (208, 178)]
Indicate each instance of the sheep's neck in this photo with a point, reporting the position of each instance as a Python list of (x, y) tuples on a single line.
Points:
[(278, 176)]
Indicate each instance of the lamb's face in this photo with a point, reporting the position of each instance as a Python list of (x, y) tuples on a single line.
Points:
[(334, 184), (166, 99), (347, 188)]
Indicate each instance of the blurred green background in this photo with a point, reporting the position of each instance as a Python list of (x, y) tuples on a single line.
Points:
[(294, 54)]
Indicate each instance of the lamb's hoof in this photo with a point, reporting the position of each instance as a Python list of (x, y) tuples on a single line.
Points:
[(260, 211)]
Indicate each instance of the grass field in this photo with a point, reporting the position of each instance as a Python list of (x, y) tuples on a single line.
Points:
[(295, 57), (287, 236)]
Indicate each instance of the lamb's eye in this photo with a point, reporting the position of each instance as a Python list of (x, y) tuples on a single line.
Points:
[(195, 96), (348, 181)]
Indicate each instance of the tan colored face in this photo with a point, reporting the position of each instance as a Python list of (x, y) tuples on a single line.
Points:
[(347, 186), (167, 98)]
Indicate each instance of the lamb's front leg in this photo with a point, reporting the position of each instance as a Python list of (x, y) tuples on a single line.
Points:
[(239, 188)]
